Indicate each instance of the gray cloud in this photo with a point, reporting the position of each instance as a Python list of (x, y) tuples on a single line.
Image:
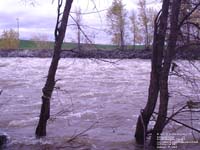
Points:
[(41, 18)]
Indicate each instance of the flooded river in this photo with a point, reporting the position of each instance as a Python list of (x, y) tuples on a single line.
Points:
[(102, 97)]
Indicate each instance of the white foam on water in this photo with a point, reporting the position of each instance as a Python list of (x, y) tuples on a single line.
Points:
[(18, 123)]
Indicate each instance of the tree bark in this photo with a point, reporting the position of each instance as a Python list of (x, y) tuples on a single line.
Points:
[(147, 36), (122, 39), (50, 82), (156, 63), (79, 39), (163, 80)]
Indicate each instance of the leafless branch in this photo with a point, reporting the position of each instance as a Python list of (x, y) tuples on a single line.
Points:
[(65, 110), (92, 12), (183, 124), (188, 15), (82, 132), (193, 65), (57, 28), (96, 9), (79, 27), (174, 114)]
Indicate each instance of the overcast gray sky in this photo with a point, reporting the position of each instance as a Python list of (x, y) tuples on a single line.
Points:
[(40, 19)]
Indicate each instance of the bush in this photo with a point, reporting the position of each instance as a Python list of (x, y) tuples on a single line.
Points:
[(41, 41), (9, 39)]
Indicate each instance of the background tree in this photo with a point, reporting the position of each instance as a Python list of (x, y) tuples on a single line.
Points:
[(146, 19), (116, 18), (9, 39), (136, 35), (41, 41), (78, 19), (151, 15)]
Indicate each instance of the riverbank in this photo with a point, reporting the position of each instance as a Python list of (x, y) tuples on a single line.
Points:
[(106, 54)]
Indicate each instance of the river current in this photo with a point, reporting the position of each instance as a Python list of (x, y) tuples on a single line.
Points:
[(103, 97)]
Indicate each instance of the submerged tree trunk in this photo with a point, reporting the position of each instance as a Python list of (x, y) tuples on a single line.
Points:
[(50, 82), (156, 64), (168, 56)]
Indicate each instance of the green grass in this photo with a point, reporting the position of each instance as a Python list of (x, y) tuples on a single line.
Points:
[(25, 44), (28, 44)]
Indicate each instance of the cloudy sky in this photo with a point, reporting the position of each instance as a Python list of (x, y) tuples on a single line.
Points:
[(39, 19)]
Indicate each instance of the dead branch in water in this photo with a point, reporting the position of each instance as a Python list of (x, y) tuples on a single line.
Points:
[(82, 132), (74, 137)]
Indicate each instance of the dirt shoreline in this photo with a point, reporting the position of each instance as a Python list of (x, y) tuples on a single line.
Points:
[(106, 54)]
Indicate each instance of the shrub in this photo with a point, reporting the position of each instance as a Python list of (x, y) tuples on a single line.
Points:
[(41, 41), (9, 39)]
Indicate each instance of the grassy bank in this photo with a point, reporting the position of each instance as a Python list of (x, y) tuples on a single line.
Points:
[(28, 44)]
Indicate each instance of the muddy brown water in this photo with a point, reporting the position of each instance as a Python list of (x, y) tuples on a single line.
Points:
[(103, 97)]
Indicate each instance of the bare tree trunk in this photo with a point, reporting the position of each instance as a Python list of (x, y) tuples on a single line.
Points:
[(50, 82), (170, 52), (147, 36), (122, 39), (79, 39), (78, 23), (188, 33), (134, 41), (156, 63)]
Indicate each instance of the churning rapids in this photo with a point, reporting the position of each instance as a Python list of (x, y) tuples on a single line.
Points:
[(98, 96)]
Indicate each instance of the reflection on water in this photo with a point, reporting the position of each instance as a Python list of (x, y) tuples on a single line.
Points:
[(107, 96)]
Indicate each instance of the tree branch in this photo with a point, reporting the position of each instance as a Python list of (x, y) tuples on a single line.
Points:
[(81, 133), (188, 15)]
